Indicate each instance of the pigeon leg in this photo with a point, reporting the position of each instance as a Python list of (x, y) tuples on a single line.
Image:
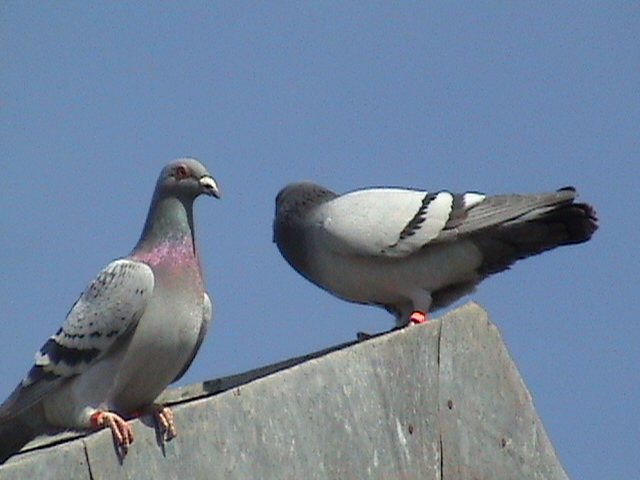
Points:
[(120, 428), (421, 302)]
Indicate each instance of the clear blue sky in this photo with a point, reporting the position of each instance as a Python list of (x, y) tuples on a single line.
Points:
[(495, 97)]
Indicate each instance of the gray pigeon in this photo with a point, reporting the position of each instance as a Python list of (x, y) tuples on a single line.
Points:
[(135, 329), (411, 251)]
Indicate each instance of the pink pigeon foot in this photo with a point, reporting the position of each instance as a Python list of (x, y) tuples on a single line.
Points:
[(164, 419), (165, 422), (120, 428)]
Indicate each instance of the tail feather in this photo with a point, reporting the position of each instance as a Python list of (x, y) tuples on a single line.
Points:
[(566, 224), (16, 432)]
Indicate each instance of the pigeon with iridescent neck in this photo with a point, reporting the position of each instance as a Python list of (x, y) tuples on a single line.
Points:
[(135, 329), (411, 251)]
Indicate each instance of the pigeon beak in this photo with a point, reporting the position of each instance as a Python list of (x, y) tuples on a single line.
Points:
[(209, 186)]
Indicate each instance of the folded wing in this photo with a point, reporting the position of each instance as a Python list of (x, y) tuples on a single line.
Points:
[(102, 317)]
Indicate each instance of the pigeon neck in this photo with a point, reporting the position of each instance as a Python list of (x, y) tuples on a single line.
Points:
[(170, 219)]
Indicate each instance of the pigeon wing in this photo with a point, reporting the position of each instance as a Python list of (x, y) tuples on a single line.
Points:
[(102, 317), (505, 210), (388, 222)]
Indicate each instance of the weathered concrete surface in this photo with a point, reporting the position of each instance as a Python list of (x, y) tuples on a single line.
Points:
[(438, 401)]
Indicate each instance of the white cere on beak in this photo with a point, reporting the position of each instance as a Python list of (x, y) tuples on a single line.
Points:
[(210, 186)]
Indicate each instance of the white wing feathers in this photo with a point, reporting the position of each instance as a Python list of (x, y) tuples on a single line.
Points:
[(388, 221)]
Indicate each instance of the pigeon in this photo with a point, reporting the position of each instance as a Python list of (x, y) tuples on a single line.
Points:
[(412, 251), (136, 328)]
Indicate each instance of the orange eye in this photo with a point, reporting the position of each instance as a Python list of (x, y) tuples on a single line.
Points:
[(182, 172)]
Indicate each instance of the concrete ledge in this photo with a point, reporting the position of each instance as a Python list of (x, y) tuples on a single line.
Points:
[(441, 400)]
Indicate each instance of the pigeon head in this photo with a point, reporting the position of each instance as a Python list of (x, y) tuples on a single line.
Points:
[(171, 212), (298, 198), (294, 204), (186, 178)]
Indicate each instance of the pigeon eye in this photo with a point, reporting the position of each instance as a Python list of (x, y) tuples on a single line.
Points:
[(181, 172)]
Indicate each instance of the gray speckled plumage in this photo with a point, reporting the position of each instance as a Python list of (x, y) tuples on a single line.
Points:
[(135, 329), (411, 250)]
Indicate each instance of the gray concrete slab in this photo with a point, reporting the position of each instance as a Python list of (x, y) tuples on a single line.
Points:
[(489, 425), (441, 400), (64, 461)]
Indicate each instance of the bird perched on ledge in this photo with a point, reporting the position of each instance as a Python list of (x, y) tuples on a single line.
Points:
[(412, 251), (135, 329)]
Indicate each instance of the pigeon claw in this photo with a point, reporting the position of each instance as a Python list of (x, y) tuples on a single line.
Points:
[(163, 416), (164, 419), (417, 317), (120, 428)]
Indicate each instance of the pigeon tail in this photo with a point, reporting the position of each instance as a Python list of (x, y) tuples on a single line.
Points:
[(565, 224), (17, 431)]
